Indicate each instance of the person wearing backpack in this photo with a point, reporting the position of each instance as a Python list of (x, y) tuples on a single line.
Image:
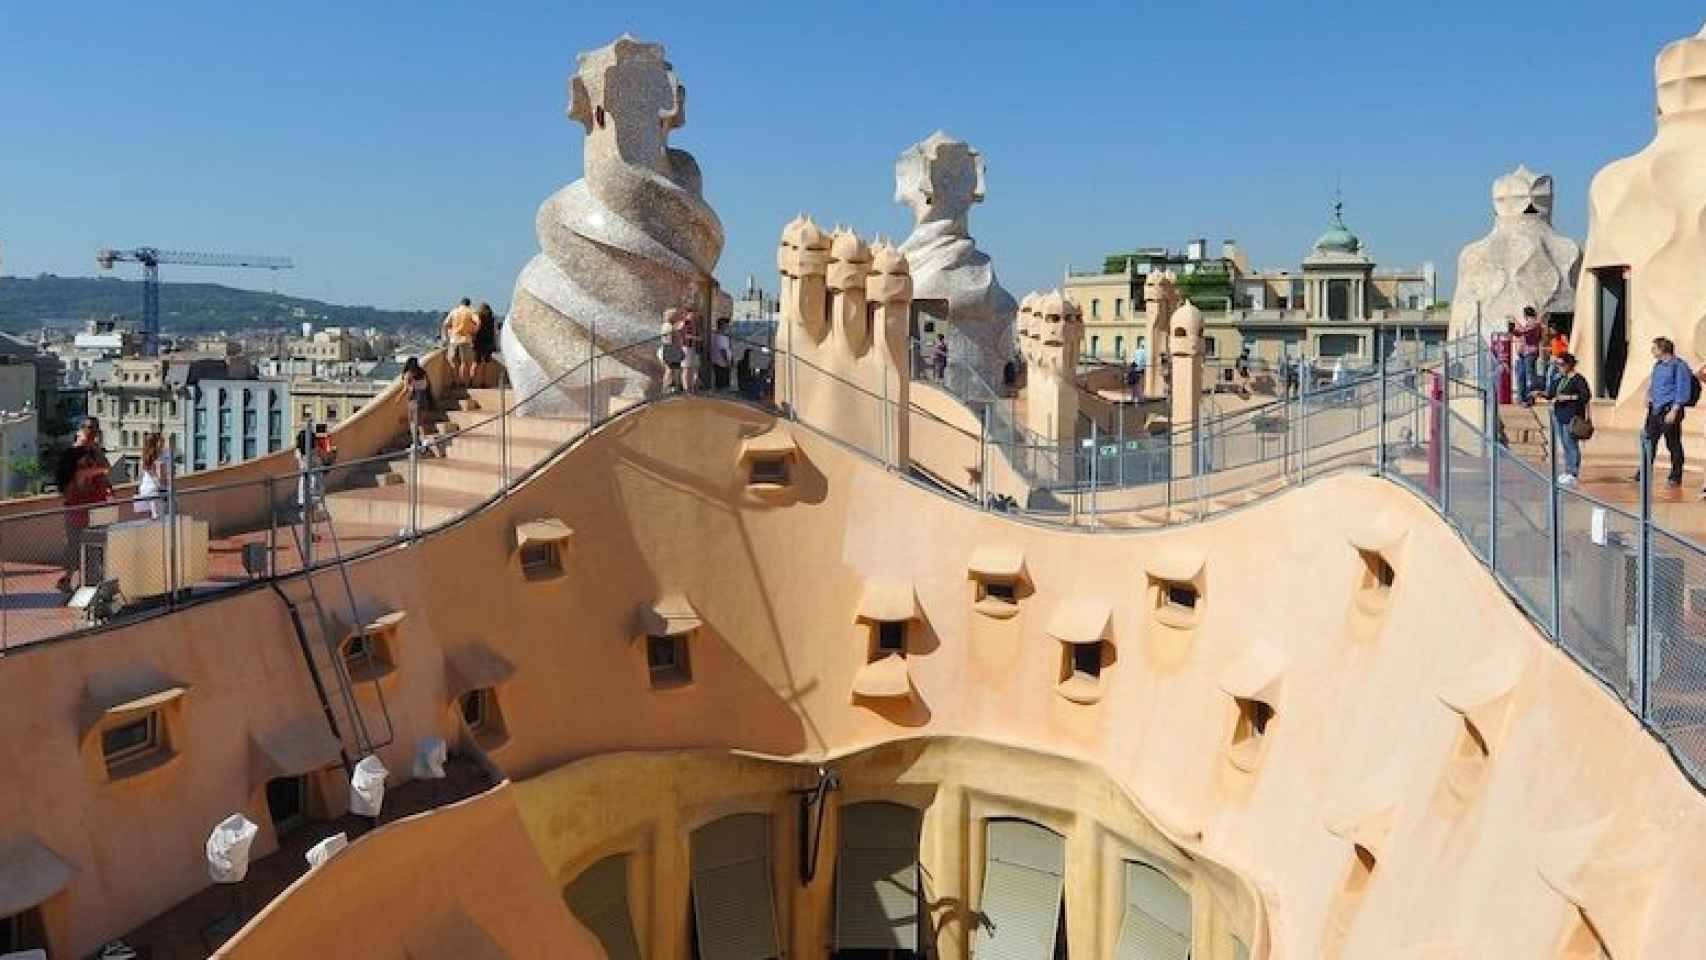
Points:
[(1570, 394), (1672, 389)]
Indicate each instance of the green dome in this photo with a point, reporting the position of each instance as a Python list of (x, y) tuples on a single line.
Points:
[(1338, 238)]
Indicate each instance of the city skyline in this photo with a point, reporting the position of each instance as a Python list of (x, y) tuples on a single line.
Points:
[(341, 139)]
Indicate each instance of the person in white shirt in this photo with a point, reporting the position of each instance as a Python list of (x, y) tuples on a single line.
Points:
[(151, 486)]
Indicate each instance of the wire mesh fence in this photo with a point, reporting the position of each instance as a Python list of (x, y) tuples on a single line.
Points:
[(1599, 590), (1521, 535), (1675, 659)]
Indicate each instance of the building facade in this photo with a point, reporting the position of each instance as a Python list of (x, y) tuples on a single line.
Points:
[(1336, 304), (236, 420), (213, 412), (329, 401), (19, 450)]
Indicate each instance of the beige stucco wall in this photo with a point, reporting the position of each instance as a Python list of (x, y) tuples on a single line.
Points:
[(1361, 745)]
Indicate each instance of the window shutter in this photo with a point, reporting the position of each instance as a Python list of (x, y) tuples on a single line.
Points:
[(1157, 924), (599, 899), (734, 910), (1023, 878), (877, 878)]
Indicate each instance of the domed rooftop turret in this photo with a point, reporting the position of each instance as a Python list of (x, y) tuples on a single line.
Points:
[(1338, 238)]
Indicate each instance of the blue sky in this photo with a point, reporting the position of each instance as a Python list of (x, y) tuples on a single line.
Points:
[(398, 151)]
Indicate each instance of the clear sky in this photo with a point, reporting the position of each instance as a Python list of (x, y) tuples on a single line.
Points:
[(398, 151)]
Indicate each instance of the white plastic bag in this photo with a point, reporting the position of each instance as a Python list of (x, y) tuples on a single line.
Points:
[(367, 786), (228, 849), (324, 850), (35, 953), (429, 759)]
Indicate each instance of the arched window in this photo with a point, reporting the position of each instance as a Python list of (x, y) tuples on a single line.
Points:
[(734, 906), (1157, 922), (599, 899), (878, 896), (1024, 880)]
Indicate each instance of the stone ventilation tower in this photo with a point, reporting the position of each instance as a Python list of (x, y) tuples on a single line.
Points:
[(629, 240), (1646, 243), (842, 350), (1523, 262), (1184, 348), (940, 179), (1051, 333), (1160, 299)]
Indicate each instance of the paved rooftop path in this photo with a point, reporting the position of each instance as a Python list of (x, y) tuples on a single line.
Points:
[(177, 933)]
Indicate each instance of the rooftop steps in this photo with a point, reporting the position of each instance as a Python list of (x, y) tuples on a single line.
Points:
[(461, 465)]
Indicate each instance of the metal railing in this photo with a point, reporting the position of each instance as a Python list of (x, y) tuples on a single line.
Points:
[(1624, 597)]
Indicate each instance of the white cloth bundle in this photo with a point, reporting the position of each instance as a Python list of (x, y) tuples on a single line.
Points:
[(324, 850), (228, 849), (367, 786)]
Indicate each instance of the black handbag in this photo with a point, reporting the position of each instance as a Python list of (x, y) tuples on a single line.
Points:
[(1581, 427)]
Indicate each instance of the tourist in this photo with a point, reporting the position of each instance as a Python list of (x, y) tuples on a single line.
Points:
[(486, 337), (1527, 333), (722, 355), (670, 352), (1668, 393), (939, 357), (83, 477), (1556, 345), (1132, 377), (744, 384), (89, 435), (689, 329), (417, 393), (1570, 396), (1140, 360), (460, 325), (314, 451), (151, 486)]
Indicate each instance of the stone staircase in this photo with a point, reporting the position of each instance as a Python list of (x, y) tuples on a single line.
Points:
[(1528, 432), (461, 466)]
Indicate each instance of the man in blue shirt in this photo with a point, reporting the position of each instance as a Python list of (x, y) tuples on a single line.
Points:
[(1667, 397)]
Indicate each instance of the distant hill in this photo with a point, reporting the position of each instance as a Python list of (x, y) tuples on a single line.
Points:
[(25, 303)]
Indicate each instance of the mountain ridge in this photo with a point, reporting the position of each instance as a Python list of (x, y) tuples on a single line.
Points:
[(28, 302)]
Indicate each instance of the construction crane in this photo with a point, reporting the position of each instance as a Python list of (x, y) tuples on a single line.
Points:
[(152, 257)]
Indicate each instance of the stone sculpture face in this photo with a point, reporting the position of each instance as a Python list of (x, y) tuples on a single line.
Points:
[(1523, 193), (1049, 308), (804, 250), (939, 178), (1680, 73), (1158, 287), (628, 99), (890, 278), (849, 262), (1186, 336)]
